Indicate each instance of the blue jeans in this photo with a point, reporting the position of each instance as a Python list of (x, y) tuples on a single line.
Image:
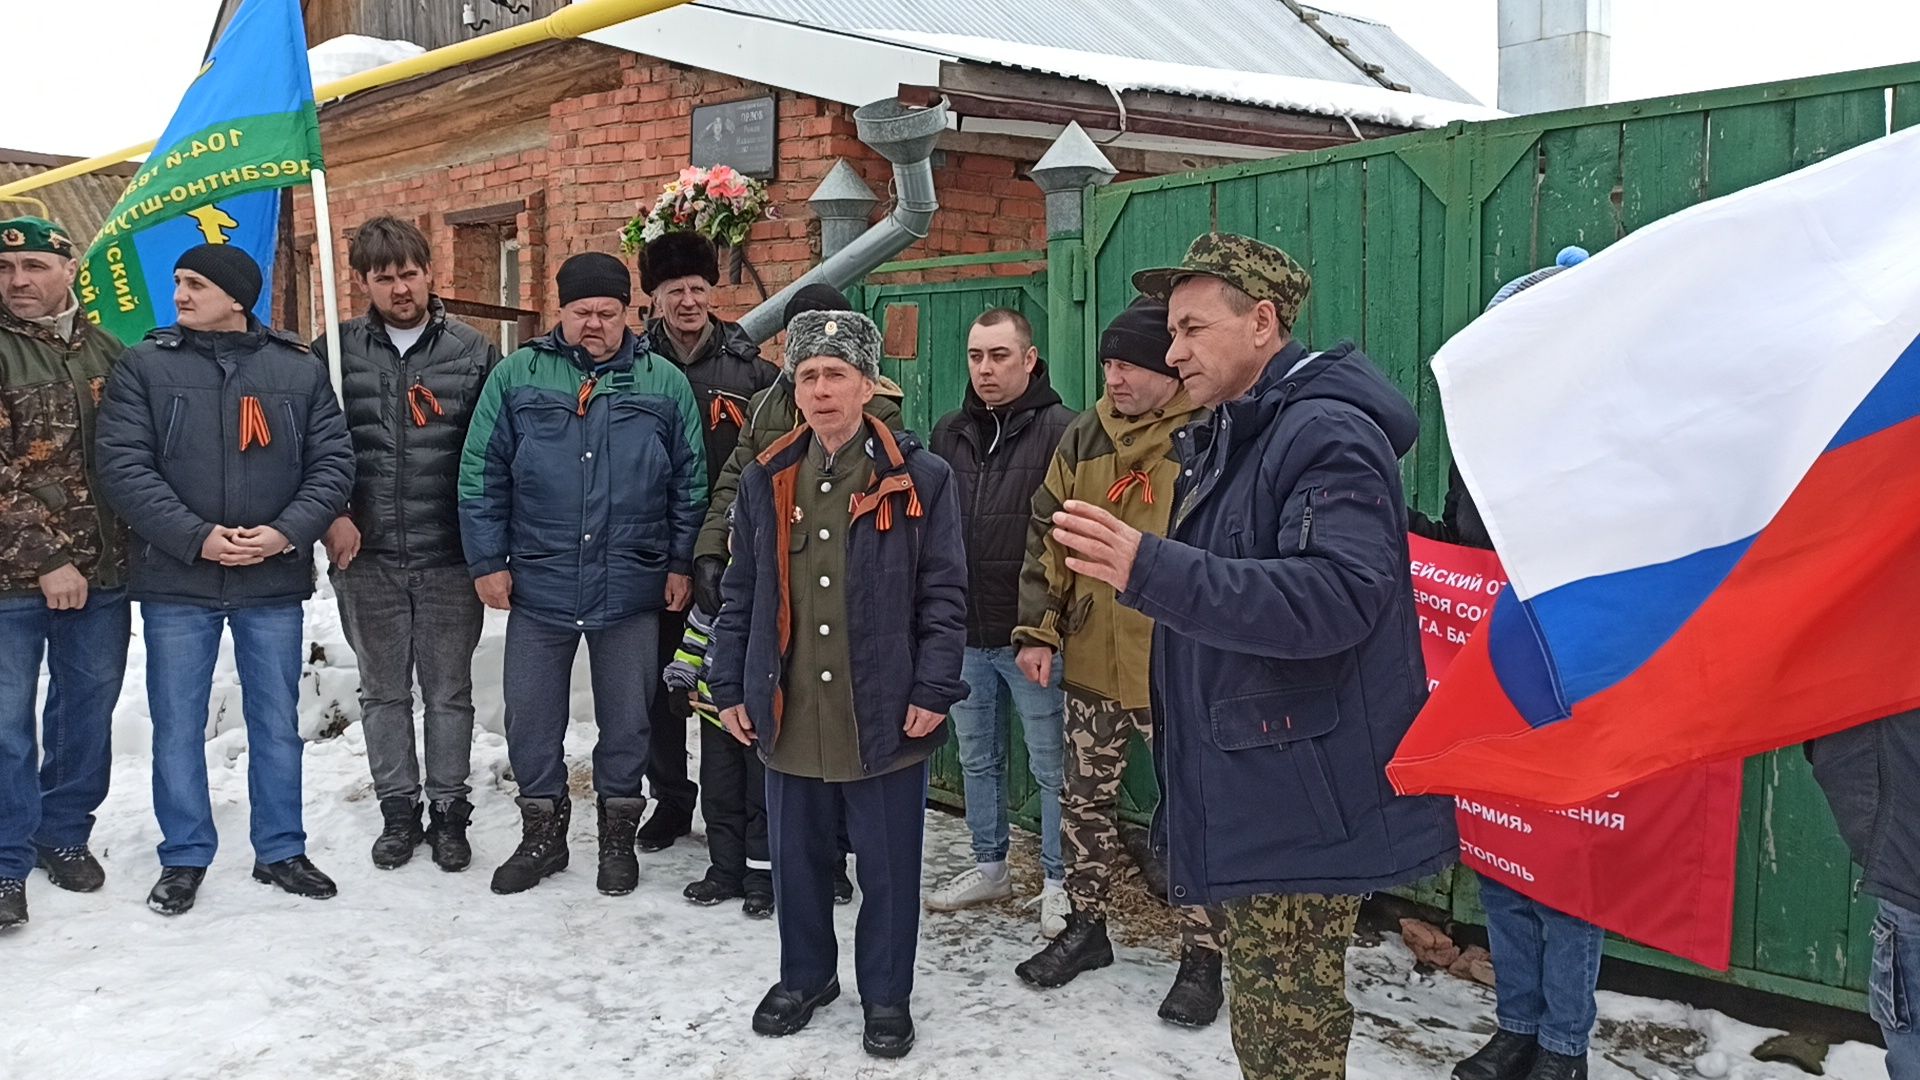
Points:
[(86, 653), (1548, 964), (1893, 990), (982, 729), (183, 641)]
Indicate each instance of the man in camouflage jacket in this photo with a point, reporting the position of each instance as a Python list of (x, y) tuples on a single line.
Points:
[(62, 569)]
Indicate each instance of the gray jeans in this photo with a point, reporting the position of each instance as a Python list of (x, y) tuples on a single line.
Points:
[(405, 624)]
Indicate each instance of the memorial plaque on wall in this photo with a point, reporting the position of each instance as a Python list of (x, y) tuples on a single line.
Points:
[(737, 133)]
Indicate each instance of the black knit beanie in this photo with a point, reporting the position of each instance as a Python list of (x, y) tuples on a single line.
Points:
[(1139, 336), (818, 296), (226, 266), (594, 274)]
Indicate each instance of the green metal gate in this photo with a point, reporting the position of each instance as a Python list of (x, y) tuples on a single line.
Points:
[(1408, 237), (926, 330)]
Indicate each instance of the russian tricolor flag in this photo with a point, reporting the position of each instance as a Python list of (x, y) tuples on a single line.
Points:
[(1698, 454)]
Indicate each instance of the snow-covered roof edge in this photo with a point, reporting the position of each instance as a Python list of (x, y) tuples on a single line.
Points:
[(1376, 104)]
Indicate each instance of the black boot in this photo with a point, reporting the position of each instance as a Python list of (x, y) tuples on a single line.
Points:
[(663, 828), (1505, 1057), (543, 845), (1196, 996), (447, 834), (73, 868), (13, 903), (842, 884), (711, 890), (1082, 946), (1552, 1066), (176, 890), (619, 869), (298, 876), (401, 834), (889, 1030), (784, 1011), (758, 904)]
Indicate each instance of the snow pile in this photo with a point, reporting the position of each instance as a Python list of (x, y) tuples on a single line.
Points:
[(351, 54), (1119, 73), (416, 974)]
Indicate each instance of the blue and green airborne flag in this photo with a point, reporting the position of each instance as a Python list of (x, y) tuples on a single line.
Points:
[(245, 129)]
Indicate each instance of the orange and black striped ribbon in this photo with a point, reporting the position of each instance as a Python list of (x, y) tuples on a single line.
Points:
[(1135, 478), (586, 391), (418, 393), (725, 408), (253, 424)]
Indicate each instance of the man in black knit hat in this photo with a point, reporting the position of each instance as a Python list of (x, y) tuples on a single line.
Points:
[(678, 272), (221, 445)]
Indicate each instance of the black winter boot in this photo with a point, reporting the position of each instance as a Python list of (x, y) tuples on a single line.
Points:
[(842, 884), (393, 848), (543, 845), (619, 869), (711, 890), (758, 904), (73, 868), (298, 876), (447, 834), (1196, 996), (1505, 1057), (664, 827), (1081, 947), (783, 1012), (889, 1030), (1552, 1066), (13, 903)]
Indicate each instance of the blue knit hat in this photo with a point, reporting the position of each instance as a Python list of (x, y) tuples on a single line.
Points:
[(1569, 256)]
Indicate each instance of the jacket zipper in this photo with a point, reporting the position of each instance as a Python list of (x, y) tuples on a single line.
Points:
[(1306, 522), (173, 421), (400, 460)]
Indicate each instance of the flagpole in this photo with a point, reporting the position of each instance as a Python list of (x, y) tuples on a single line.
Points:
[(329, 294)]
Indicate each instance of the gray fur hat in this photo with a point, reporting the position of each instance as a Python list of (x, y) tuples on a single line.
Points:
[(848, 335)]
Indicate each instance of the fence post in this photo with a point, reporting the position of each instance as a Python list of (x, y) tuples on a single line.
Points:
[(1071, 167)]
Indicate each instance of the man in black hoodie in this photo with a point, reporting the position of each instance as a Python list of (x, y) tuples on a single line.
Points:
[(1000, 443)]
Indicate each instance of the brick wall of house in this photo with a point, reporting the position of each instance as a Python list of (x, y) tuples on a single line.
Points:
[(606, 158)]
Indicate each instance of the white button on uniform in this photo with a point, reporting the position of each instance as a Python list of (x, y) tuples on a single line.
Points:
[(825, 486), (826, 676), (825, 581), (825, 535), (588, 536), (824, 630)]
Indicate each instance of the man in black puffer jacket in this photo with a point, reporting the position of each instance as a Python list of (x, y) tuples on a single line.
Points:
[(679, 272), (409, 379), (1000, 443), (221, 446)]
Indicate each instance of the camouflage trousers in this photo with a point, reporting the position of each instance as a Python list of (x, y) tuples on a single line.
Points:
[(1287, 965), (1098, 735)]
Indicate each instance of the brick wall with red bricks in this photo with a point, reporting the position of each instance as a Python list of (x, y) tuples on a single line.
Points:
[(606, 159)]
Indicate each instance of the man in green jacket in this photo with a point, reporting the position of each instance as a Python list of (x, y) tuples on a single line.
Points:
[(1120, 454), (62, 570)]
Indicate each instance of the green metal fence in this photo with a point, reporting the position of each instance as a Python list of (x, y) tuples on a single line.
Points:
[(1408, 237)]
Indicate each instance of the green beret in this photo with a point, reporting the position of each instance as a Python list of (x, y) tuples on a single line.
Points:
[(35, 234)]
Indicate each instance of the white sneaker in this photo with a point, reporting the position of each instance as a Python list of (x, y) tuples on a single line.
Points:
[(1055, 906), (969, 889)]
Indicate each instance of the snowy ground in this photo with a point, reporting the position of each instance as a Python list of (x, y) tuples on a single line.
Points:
[(418, 974)]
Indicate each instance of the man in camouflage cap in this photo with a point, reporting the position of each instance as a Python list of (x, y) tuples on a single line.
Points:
[(1284, 620), (62, 569)]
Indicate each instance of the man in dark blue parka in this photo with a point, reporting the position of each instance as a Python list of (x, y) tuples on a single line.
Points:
[(1286, 659)]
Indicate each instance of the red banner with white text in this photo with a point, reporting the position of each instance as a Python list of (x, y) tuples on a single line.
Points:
[(1653, 862)]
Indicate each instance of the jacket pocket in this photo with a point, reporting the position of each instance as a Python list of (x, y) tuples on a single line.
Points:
[(1273, 737), (1889, 997), (170, 436), (296, 431)]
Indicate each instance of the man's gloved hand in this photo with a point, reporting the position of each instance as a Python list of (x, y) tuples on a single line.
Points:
[(706, 582)]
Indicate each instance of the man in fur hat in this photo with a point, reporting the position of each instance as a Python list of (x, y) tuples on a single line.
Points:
[(679, 271)]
